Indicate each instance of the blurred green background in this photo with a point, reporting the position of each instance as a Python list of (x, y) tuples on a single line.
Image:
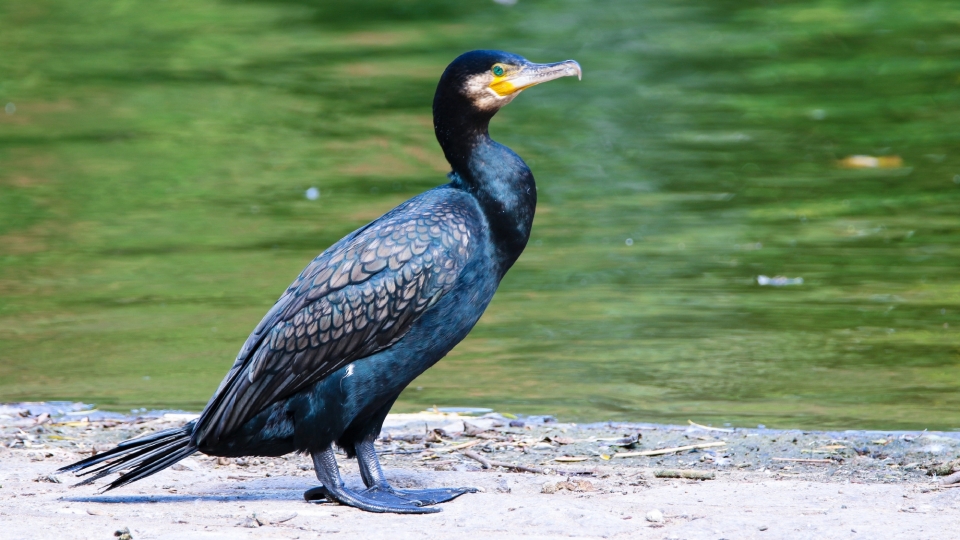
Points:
[(154, 158)]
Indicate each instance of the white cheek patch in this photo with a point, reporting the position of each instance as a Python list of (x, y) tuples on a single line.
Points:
[(484, 98)]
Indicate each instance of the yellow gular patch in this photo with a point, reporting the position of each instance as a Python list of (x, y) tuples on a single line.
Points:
[(503, 87)]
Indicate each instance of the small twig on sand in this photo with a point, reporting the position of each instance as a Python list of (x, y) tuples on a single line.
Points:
[(457, 447), (708, 428), (662, 451), (484, 462), (399, 452), (576, 472), (571, 459), (489, 463), (949, 480), (524, 468), (685, 473), (803, 460)]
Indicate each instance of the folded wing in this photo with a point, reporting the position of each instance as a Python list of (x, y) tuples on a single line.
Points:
[(357, 298)]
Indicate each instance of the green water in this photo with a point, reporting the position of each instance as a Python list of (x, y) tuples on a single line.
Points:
[(152, 207)]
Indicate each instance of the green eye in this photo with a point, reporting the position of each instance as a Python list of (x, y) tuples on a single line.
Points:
[(498, 71)]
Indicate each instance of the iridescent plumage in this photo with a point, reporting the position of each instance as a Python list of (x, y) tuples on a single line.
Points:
[(373, 311), (355, 299)]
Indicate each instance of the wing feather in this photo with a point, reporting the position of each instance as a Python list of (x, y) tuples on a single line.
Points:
[(358, 297)]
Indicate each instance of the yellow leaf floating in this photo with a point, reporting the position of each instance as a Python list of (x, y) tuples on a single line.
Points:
[(871, 162)]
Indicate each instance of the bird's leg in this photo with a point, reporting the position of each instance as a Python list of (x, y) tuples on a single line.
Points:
[(369, 463), (377, 485), (325, 464)]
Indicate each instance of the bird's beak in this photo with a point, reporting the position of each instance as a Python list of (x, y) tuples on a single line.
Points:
[(532, 74)]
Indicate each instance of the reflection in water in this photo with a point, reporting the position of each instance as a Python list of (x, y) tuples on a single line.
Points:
[(156, 181)]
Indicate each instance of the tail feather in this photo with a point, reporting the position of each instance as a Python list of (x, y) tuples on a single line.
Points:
[(147, 469), (138, 457), (133, 459)]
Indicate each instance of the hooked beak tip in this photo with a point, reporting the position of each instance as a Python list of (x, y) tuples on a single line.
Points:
[(572, 68)]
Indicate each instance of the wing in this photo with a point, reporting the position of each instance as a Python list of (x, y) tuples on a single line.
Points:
[(356, 298)]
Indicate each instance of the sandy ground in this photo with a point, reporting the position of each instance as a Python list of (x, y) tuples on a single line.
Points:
[(862, 485)]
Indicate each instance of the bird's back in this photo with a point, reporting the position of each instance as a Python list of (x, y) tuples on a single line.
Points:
[(358, 297)]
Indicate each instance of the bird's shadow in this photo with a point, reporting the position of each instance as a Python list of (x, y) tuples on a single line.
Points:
[(178, 498), (289, 490)]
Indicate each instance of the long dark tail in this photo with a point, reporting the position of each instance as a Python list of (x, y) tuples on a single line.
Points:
[(138, 458)]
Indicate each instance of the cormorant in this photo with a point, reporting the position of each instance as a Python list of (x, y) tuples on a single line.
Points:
[(373, 311)]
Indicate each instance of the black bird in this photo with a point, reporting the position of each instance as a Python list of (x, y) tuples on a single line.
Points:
[(373, 311)]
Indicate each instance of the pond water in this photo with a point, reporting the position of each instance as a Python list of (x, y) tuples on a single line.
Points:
[(157, 160)]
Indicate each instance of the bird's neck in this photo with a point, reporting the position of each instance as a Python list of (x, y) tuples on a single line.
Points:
[(501, 182)]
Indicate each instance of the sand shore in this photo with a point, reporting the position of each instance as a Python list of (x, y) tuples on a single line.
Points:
[(762, 483)]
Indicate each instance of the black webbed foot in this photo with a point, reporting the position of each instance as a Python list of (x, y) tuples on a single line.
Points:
[(425, 497), (377, 485), (333, 490), (371, 501)]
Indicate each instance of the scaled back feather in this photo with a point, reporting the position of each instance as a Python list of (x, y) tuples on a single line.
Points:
[(358, 297)]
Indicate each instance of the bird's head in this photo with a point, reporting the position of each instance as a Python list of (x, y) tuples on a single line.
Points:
[(487, 80)]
